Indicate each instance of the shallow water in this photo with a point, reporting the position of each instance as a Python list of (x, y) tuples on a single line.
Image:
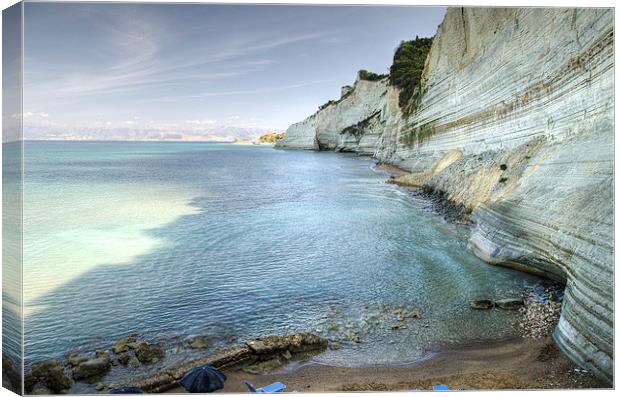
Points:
[(180, 239)]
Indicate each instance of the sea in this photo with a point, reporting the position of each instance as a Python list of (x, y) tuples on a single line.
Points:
[(175, 240)]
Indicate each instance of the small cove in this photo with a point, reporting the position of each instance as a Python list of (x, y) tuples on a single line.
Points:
[(234, 242)]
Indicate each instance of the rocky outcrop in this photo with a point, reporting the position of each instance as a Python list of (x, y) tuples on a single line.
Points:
[(148, 353), (514, 125), (352, 123), (258, 350), (48, 374), (92, 368)]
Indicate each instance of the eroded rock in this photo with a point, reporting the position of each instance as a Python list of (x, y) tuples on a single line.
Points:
[(481, 304), (74, 360), (509, 304), (295, 343), (124, 344), (92, 368), (200, 342), (148, 353), (50, 374)]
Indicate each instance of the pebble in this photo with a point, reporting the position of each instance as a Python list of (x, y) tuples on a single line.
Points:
[(538, 319)]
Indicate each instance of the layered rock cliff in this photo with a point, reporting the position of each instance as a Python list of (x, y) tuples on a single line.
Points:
[(515, 125)]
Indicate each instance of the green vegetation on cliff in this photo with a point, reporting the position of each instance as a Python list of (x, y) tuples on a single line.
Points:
[(370, 76), (406, 70), (405, 73), (358, 129), (270, 137), (418, 134)]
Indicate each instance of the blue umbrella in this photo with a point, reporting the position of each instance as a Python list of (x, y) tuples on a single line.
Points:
[(204, 379), (126, 390)]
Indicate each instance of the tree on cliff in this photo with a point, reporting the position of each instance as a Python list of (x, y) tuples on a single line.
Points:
[(407, 67)]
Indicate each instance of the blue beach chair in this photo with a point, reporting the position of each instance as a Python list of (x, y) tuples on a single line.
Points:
[(441, 388), (276, 387)]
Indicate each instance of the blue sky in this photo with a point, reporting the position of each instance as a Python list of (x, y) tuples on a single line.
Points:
[(193, 69)]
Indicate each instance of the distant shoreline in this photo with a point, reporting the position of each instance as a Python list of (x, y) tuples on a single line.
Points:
[(118, 140)]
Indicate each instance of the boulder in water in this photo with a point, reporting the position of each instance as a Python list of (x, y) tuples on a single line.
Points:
[(509, 304), (124, 344), (93, 368), (481, 304), (200, 342), (73, 360), (148, 353), (50, 374)]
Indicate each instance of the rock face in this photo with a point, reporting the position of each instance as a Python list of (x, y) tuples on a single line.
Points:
[(515, 125), (357, 109)]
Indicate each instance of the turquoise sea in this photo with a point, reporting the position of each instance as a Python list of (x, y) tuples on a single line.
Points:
[(227, 241)]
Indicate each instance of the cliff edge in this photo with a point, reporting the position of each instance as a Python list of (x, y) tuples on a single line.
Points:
[(514, 123)]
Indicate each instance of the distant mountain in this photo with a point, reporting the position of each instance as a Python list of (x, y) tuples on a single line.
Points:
[(170, 132)]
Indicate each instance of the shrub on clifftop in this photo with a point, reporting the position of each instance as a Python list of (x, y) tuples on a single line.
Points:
[(370, 76), (407, 67)]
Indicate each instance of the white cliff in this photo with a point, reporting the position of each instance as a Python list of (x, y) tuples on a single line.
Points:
[(515, 125), (325, 128)]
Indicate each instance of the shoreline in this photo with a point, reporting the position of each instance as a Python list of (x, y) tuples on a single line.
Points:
[(518, 363)]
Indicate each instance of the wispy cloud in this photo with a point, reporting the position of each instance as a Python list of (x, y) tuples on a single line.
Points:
[(145, 57), (266, 90)]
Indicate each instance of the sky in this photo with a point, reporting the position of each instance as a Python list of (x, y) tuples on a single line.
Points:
[(198, 71)]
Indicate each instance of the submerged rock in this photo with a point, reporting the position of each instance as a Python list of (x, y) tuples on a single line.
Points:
[(200, 342), (509, 304), (92, 368), (50, 374), (73, 360), (148, 353), (124, 358), (133, 362), (415, 313), (124, 344), (481, 304)]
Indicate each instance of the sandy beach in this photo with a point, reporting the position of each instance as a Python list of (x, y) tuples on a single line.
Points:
[(518, 363)]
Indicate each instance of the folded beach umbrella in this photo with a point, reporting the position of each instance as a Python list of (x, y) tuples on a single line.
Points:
[(126, 390), (203, 379)]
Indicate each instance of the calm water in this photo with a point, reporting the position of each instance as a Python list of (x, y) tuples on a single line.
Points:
[(180, 239)]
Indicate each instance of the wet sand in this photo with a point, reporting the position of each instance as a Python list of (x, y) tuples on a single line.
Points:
[(514, 364)]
